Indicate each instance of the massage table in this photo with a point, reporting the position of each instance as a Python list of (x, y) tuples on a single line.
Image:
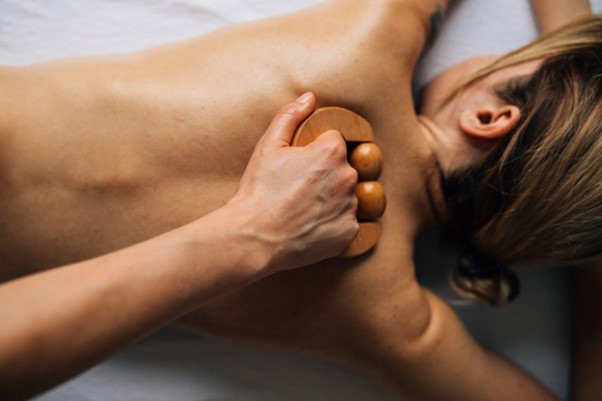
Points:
[(533, 331)]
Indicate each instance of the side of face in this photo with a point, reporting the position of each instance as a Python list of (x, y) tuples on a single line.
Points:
[(465, 127), (439, 89)]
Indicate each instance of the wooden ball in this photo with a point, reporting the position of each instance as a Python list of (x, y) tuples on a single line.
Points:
[(367, 159), (371, 200)]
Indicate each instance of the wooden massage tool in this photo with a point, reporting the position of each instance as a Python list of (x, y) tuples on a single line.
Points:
[(365, 157)]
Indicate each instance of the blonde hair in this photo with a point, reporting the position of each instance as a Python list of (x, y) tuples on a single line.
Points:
[(538, 196)]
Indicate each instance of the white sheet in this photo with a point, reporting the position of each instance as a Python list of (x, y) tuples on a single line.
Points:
[(175, 366), (39, 30)]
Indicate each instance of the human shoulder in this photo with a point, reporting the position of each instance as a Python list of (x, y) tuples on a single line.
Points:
[(418, 20)]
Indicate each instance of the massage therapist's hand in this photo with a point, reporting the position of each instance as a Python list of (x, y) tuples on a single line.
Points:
[(298, 201)]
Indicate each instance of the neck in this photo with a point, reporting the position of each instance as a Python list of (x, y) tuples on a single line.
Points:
[(411, 177), (428, 131)]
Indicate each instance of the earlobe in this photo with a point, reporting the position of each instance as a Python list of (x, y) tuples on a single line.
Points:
[(490, 124)]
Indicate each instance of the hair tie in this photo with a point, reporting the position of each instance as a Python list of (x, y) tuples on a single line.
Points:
[(474, 265)]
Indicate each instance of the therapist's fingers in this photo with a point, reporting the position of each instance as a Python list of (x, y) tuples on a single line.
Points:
[(330, 144), (299, 201), (281, 130)]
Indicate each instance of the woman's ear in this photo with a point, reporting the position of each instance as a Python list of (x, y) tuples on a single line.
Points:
[(489, 123)]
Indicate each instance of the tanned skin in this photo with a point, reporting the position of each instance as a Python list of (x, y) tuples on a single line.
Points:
[(105, 152)]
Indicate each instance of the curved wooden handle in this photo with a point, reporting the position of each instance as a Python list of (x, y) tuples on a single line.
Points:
[(352, 126), (355, 129)]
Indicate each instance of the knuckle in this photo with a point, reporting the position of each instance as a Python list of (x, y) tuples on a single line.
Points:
[(355, 227), (334, 145), (351, 177), (353, 207), (291, 109), (334, 135), (352, 229)]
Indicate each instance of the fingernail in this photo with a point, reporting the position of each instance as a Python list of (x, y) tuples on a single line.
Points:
[(304, 98)]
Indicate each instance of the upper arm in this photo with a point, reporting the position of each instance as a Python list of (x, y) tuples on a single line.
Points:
[(447, 355), (553, 14)]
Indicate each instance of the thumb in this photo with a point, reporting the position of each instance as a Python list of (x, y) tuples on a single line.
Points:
[(281, 130)]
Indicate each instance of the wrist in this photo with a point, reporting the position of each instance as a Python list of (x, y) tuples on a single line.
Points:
[(227, 237), (242, 222)]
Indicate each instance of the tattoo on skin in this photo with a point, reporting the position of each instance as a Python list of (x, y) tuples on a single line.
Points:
[(436, 20)]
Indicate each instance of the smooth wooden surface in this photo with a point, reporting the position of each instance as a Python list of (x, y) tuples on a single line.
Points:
[(352, 126), (371, 200), (367, 159), (366, 239), (356, 131)]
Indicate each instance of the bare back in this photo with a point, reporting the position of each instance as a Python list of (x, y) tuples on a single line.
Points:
[(102, 153), (144, 143)]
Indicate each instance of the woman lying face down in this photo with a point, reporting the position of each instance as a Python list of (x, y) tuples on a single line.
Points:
[(497, 130), (159, 138)]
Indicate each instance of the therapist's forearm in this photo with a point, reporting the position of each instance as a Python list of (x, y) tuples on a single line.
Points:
[(553, 14), (58, 323)]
